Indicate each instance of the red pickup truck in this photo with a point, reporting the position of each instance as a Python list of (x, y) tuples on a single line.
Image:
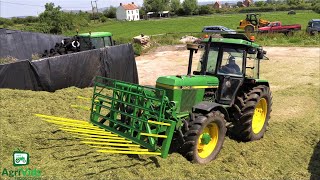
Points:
[(279, 28)]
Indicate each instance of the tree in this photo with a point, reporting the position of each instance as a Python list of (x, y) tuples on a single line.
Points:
[(51, 19), (190, 7), (205, 10), (316, 7), (175, 5), (259, 3), (295, 2), (111, 12), (156, 5)]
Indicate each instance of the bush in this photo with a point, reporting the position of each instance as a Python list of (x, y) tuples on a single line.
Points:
[(103, 19), (54, 21), (205, 10), (111, 12), (137, 49), (316, 8)]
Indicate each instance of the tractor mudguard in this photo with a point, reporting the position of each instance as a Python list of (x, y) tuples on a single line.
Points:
[(209, 106)]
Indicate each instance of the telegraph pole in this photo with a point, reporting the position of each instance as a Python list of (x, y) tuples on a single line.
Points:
[(93, 9), (94, 18)]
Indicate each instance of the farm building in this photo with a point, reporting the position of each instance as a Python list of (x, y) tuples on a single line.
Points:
[(247, 3), (129, 12), (217, 5)]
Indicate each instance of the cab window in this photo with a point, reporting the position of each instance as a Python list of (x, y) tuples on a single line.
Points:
[(232, 62), (107, 41)]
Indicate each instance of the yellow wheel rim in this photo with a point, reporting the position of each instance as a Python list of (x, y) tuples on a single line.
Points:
[(205, 149), (259, 116)]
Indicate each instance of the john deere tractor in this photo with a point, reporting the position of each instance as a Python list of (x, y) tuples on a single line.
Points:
[(252, 23), (190, 113), (81, 42)]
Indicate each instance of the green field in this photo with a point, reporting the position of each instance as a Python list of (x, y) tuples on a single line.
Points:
[(289, 150), (124, 31)]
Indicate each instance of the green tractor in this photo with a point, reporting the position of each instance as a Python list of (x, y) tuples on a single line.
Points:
[(81, 42), (190, 113), (94, 40)]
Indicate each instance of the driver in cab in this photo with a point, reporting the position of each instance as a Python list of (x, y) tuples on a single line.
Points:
[(231, 67)]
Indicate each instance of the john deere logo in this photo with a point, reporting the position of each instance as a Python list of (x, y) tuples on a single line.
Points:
[(20, 158)]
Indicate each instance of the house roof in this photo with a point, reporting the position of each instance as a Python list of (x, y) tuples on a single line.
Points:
[(130, 6)]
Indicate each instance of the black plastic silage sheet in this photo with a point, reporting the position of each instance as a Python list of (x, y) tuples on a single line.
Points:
[(120, 64), (18, 75), (22, 45), (77, 69)]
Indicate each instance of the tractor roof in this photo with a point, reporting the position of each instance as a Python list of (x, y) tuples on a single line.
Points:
[(240, 39), (96, 34)]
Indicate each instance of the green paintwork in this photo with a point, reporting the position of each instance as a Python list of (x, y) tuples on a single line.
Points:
[(232, 41), (186, 91), (126, 109), (206, 138), (96, 34), (262, 81), (194, 80), (113, 100)]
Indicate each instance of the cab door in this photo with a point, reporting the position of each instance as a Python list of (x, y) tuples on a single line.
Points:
[(230, 71)]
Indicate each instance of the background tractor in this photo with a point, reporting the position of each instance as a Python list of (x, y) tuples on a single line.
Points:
[(252, 23), (81, 42), (190, 113)]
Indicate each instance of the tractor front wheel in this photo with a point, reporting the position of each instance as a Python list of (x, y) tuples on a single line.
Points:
[(204, 137), (249, 29), (252, 113)]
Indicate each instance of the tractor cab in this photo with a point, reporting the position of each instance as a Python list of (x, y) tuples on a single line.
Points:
[(94, 40), (253, 18), (234, 60)]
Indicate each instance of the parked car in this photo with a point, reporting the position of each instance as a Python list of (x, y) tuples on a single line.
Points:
[(313, 26), (277, 27), (218, 29)]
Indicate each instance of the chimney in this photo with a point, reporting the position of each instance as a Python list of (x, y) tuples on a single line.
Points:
[(132, 2), (120, 4)]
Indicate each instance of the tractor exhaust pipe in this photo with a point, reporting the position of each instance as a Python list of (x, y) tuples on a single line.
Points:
[(192, 48)]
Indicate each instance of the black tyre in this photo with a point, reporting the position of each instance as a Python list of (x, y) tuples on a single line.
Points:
[(204, 137), (252, 113), (289, 33), (249, 29), (314, 33)]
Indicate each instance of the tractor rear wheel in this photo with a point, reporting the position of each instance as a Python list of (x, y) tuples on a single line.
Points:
[(204, 137), (252, 113)]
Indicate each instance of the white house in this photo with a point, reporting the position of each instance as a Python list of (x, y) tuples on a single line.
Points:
[(129, 12)]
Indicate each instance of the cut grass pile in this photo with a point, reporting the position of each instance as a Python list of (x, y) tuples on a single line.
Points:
[(124, 31), (289, 149)]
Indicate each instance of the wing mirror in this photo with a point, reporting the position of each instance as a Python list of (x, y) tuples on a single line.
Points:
[(261, 53)]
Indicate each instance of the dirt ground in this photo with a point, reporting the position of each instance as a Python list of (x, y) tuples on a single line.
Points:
[(173, 60)]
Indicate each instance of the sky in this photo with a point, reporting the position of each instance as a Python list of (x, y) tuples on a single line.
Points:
[(12, 8)]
